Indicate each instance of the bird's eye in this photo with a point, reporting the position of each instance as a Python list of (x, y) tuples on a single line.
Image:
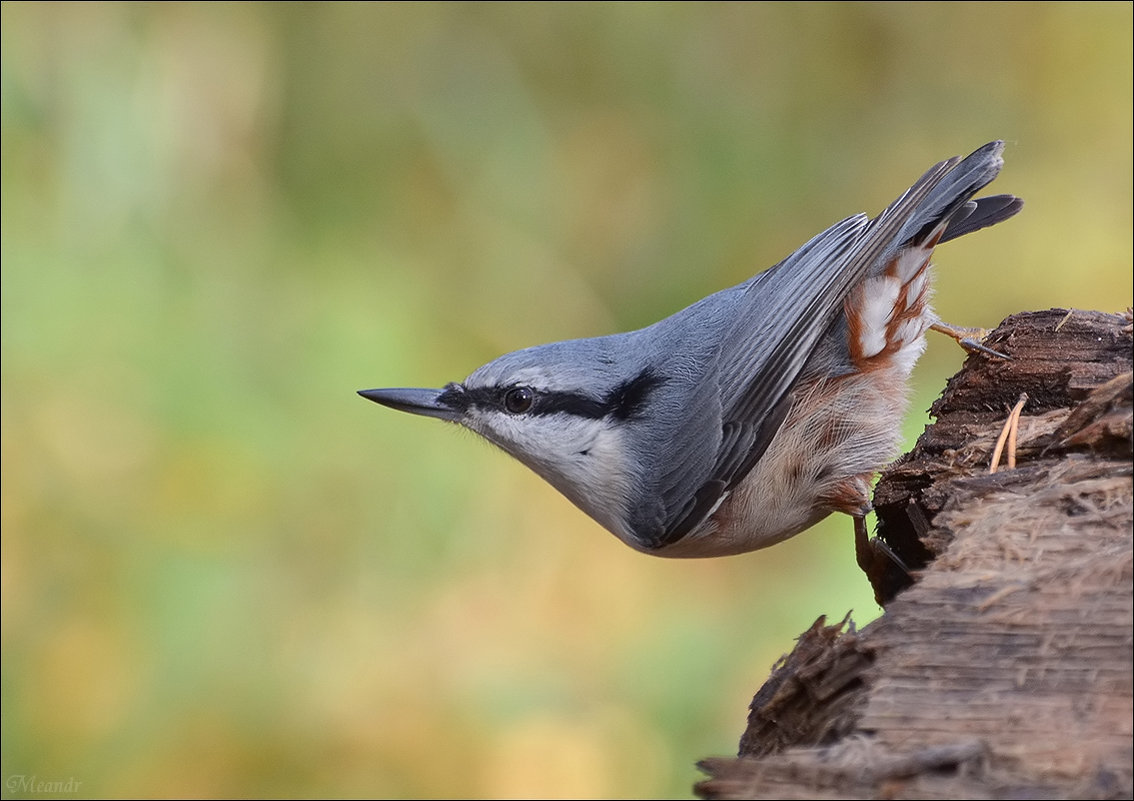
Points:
[(518, 400)]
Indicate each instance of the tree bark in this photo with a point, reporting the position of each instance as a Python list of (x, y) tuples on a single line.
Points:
[(1002, 666)]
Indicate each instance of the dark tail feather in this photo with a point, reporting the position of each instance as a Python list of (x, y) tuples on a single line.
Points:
[(982, 213), (950, 201)]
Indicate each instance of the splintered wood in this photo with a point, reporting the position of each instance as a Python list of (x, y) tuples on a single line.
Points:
[(1003, 667)]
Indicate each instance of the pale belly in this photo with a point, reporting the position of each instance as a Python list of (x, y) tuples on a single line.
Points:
[(838, 435)]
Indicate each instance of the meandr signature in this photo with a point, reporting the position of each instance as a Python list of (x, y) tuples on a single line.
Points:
[(31, 784)]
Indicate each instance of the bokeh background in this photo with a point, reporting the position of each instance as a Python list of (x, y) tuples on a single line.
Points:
[(224, 574)]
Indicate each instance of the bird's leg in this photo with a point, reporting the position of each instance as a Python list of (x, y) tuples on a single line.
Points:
[(971, 339), (873, 554), (884, 569), (864, 554), (875, 558)]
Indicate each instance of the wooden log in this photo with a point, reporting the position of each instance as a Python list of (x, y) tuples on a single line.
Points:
[(1002, 666)]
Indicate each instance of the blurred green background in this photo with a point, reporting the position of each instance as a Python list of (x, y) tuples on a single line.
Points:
[(224, 574)]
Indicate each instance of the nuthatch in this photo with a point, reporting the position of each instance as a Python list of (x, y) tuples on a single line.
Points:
[(749, 416)]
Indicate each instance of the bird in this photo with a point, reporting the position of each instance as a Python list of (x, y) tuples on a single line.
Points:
[(752, 414)]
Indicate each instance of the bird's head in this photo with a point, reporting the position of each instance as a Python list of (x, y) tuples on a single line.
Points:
[(564, 409)]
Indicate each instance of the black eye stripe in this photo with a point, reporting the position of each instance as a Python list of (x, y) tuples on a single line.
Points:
[(572, 403), (624, 402), (458, 398), (629, 398)]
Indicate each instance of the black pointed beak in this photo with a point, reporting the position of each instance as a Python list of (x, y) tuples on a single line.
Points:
[(426, 402)]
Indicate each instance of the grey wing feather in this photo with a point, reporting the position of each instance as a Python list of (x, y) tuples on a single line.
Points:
[(708, 440), (780, 318)]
